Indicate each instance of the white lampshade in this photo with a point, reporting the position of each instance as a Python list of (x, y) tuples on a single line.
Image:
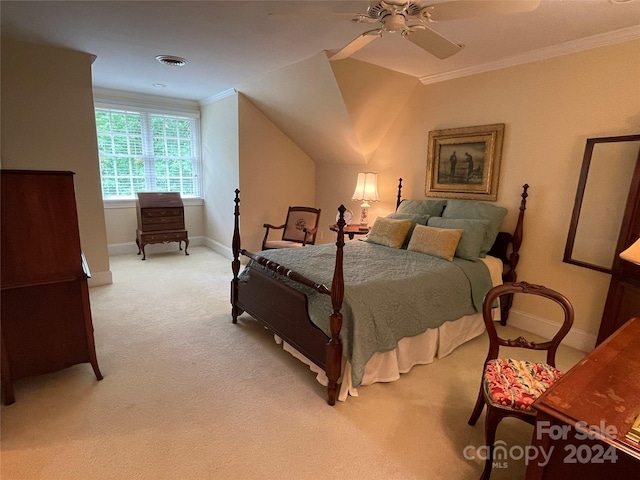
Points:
[(632, 254), (366, 191), (367, 187)]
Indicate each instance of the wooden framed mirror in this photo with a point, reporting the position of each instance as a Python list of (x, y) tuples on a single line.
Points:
[(605, 179)]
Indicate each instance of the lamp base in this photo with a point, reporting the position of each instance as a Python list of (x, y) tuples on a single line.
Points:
[(364, 224)]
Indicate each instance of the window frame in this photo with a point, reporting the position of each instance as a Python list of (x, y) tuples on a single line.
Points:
[(193, 113)]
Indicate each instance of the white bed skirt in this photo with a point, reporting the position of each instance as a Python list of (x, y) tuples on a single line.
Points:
[(411, 351)]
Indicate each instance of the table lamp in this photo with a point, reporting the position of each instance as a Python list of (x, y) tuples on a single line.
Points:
[(366, 191)]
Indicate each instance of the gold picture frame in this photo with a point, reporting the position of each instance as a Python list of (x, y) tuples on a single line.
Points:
[(465, 162)]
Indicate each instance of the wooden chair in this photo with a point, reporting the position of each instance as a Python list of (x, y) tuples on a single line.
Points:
[(298, 230), (509, 387)]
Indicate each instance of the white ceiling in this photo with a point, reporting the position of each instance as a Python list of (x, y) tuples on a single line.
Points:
[(227, 43)]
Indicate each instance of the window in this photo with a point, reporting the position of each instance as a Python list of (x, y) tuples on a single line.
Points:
[(147, 151)]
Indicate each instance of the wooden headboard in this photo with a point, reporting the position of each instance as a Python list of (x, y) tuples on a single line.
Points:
[(506, 247)]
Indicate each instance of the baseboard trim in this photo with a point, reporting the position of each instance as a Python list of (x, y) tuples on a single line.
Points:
[(130, 248), (98, 279), (217, 247), (576, 338)]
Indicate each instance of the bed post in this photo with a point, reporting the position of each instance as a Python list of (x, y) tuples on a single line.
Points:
[(235, 264), (334, 347), (514, 258), (399, 193)]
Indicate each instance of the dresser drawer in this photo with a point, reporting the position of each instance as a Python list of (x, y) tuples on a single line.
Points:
[(162, 223), (162, 237), (161, 212)]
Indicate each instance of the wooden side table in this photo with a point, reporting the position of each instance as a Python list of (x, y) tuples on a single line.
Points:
[(351, 230)]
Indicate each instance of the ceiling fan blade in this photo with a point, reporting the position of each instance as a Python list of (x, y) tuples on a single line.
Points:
[(474, 8), (348, 15), (434, 43), (356, 44)]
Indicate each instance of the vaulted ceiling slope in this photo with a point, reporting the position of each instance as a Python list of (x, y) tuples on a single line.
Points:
[(229, 42), (337, 112)]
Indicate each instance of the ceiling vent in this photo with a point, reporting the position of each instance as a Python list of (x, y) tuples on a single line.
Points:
[(171, 60)]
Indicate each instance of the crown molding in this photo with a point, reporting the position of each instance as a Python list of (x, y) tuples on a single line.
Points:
[(566, 48), (218, 96), (122, 97)]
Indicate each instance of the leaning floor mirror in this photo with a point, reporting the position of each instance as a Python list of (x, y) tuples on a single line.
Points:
[(605, 179)]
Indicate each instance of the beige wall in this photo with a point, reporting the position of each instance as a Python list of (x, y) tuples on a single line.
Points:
[(220, 157), (48, 124), (122, 222), (550, 108), (374, 97), (274, 174)]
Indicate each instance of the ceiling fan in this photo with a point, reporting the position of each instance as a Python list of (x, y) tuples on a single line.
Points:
[(411, 20)]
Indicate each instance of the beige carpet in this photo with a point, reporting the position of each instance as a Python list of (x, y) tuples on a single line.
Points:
[(188, 395)]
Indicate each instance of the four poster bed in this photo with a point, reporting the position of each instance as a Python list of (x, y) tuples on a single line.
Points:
[(394, 300)]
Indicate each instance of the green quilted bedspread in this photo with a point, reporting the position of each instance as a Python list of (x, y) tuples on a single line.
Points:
[(389, 293)]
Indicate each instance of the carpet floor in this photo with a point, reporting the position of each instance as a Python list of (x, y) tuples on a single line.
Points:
[(187, 394)]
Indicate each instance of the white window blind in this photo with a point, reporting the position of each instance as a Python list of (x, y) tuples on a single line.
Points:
[(147, 151)]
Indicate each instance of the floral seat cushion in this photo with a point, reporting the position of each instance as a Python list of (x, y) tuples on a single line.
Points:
[(516, 384)]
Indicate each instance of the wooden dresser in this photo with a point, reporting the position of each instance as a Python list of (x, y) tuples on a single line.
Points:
[(599, 396), (160, 220), (46, 315)]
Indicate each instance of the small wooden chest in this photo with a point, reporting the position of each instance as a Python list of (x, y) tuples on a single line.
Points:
[(160, 220)]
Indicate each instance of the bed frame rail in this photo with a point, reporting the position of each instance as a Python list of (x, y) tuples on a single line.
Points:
[(286, 272)]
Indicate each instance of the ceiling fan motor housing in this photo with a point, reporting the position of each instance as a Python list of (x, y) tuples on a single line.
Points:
[(394, 15), (377, 10)]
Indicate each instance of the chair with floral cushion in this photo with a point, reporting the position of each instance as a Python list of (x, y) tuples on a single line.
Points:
[(508, 386), (299, 229)]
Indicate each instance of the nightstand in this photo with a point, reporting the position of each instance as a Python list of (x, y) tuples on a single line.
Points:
[(351, 230)]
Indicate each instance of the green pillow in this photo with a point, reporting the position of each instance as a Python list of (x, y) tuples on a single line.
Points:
[(416, 219), (472, 236), (389, 232), (470, 209), (430, 207)]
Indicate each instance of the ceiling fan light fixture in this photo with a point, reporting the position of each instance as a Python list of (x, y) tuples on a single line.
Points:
[(171, 60), (394, 23)]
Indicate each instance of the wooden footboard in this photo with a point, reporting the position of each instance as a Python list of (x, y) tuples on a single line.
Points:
[(284, 310)]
